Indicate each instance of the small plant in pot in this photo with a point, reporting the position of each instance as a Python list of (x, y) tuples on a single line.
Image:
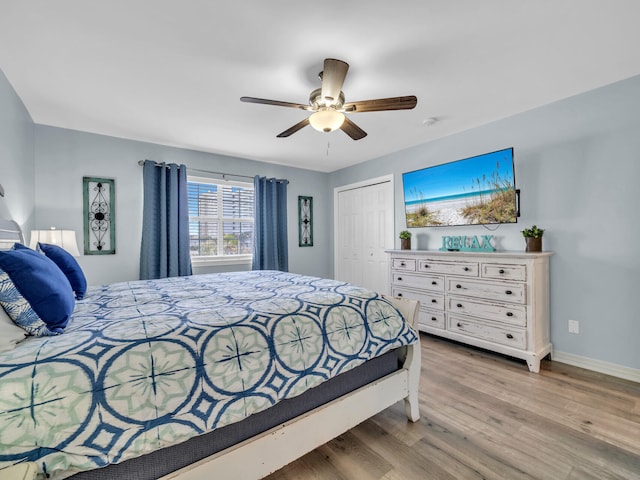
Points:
[(405, 240), (533, 237)]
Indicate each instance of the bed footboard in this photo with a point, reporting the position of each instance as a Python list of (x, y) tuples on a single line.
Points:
[(412, 363)]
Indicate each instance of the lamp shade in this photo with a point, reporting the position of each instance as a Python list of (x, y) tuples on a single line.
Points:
[(63, 238), (326, 120)]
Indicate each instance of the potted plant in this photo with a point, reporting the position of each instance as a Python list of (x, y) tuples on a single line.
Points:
[(405, 240), (533, 237)]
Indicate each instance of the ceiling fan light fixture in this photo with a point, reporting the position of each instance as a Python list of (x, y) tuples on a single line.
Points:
[(326, 120)]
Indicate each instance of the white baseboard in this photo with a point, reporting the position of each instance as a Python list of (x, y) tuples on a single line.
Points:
[(597, 366)]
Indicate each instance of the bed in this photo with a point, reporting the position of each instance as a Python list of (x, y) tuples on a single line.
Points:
[(250, 370)]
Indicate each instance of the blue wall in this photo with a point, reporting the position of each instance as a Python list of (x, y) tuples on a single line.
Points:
[(578, 166), (17, 171), (63, 157)]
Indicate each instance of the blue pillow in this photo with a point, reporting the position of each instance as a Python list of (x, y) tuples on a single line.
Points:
[(34, 292), (69, 266)]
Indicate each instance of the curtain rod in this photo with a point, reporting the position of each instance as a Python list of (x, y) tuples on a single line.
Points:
[(141, 162)]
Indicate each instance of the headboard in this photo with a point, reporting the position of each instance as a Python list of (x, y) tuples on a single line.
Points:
[(10, 233)]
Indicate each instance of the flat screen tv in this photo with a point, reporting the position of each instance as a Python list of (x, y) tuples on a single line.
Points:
[(478, 190)]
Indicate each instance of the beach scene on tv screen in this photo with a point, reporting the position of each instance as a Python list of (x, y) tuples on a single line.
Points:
[(477, 190)]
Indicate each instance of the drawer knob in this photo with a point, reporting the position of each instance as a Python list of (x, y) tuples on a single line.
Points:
[(501, 271), (433, 300), (400, 294), (426, 266), (509, 336), (399, 279), (509, 314), (459, 305), (402, 264), (459, 324), (466, 269), (508, 292), (434, 283), (458, 286), (434, 319)]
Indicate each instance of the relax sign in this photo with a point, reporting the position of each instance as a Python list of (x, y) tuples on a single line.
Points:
[(468, 244)]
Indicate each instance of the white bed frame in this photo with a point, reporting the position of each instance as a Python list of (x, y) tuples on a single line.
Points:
[(265, 453), (10, 232)]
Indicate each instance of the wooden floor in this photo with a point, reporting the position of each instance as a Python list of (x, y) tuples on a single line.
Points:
[(486, 417)]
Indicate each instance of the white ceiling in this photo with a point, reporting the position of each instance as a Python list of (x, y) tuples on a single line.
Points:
[(172, 71)]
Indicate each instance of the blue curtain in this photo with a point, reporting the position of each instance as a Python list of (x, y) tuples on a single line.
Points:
[(270, 246), (165, 222)]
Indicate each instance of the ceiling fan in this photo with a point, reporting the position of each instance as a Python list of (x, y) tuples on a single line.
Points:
[(329, 107)]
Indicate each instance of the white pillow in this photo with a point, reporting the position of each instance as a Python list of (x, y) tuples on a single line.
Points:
[(10, 333)]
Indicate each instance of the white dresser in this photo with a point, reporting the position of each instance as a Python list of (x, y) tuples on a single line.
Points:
[(498, 301)]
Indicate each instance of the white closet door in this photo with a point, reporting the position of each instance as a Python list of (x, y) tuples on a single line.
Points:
[(364, 229)]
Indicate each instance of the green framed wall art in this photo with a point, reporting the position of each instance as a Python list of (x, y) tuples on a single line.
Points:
[(98, 195), (305, 221)]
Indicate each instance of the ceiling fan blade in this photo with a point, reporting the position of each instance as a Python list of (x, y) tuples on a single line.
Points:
[(277, 103), (333, 77), (294, 129), (394, 103), (352, 129)]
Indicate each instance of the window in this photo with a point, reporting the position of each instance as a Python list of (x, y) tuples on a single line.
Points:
[(220, 219)]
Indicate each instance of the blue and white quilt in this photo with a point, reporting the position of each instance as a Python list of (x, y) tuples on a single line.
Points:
[(147, 364)]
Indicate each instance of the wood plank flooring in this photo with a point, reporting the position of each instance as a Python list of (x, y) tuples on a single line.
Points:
[(484, 416)]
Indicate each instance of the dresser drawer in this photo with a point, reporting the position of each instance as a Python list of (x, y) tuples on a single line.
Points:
[(407, 264), (427, 299), (504, 272), (431, 318), (512, 336), (508, 292), (449, 268), (425, 282), (499, 312)]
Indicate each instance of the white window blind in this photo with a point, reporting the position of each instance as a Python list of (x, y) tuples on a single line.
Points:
[(220, 218)]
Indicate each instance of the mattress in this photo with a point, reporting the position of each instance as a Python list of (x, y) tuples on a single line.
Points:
[(162, 462)]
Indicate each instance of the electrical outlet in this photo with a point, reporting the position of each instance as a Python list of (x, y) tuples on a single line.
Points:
[(574, 326)]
